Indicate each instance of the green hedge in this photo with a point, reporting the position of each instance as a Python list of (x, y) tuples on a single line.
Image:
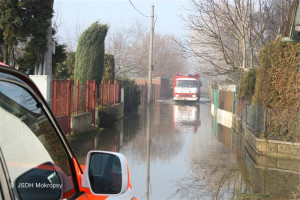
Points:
[(109, 68), (277, 88), (132, 96), (247, 85), (89, 60)]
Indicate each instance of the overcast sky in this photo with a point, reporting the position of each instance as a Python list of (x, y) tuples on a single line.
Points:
[(70, 14)]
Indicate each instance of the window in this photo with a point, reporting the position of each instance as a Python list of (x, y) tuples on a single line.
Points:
[(27, 138), (186, 83)]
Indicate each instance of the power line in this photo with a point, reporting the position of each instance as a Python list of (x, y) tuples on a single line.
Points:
[(137, 9), (142, 13)]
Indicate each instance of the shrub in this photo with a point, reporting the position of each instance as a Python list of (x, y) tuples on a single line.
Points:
[(277, 84), (132, 96), (109, 68), (247, 84)]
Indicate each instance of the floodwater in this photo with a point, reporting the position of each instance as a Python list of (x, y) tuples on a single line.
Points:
[(191, 156)]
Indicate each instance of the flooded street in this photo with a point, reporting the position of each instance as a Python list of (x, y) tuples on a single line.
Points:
[(191, 156)]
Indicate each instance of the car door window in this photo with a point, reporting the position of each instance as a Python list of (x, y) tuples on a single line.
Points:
[(27, 138)]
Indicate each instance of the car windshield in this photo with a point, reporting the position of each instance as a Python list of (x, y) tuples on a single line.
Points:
[(186, 83), (27, 138)]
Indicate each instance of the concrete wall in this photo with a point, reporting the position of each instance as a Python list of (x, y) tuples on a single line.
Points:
[(81, 123), (222, 103), (223, 117), (43, 83), (261, 146), (105, 116), (108, 115), (237, 124)]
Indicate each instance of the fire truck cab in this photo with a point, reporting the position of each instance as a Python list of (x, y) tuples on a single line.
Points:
[(186, 87)]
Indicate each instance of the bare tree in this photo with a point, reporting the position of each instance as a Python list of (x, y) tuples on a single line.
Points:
[(168, 57), (225, 35), (218, 35), (130, 48), (276, 12), (73, 33), (124, 45)]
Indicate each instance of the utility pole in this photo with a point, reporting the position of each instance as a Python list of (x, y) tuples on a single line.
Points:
[(149, 99), (149, 106), (47, 66)]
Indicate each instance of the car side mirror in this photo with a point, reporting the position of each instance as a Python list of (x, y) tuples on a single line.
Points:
[(42, 182), (106, 173)]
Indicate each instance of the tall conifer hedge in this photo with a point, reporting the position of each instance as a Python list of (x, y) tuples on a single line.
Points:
[(109, 68), (89, 59), (277, 88)]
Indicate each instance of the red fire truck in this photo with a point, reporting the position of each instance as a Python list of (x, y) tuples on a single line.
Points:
[(186, 87)]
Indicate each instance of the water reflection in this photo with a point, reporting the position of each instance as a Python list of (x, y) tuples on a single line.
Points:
[(149, 128), (186, 118), (213, 173), (110, 140), (164, 144), (211, 164), (278, 176)]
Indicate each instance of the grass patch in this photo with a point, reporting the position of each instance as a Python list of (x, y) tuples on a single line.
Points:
[(95, 131), (248, 196)]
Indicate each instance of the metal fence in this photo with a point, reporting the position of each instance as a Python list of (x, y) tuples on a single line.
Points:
[(110, 93), (273, 123), (252, 115), (256, 117), (69, 98)]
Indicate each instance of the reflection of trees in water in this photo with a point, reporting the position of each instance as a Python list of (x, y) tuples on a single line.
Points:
[(218, 172), (280, 184), (213, 172), (260, 175), (216, 184), (165, 144), (81, 146), (221, 183), (107, 140)]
